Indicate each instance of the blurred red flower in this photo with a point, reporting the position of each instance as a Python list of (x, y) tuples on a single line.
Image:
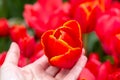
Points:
[(96, 70), (108, 27), (38, 52), (23, 61), (104, 71), (77, 2), (86, 75), (45, 15), (4, 27), (116, 43), (115, 75), (63, 46), (27, 46), (87, 13), (2, 57), (93, 64), (18, 33), (36, 56)]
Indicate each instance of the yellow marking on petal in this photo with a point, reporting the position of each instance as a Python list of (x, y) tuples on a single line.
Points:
[(118, 36), (59, 56)]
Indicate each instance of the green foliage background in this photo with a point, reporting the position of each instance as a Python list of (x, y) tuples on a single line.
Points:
[(13, 8)]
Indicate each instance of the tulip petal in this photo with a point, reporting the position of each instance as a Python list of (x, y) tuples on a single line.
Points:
[(75, 27), (52, 46), (66, 60)]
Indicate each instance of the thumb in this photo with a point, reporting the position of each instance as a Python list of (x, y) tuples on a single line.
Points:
[(13, 54)]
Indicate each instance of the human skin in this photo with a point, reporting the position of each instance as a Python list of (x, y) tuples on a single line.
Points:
[(38, 70)]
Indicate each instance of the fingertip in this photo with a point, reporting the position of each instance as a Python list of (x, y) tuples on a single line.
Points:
[(83, 51), (42, 61), (13, 54), (82, 61), (83, 58), (14, 46), (77, 69)]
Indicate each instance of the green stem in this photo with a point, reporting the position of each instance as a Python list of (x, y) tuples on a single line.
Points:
[(85, 42)]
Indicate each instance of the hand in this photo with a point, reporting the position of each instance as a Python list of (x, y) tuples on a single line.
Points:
[(39, 70)]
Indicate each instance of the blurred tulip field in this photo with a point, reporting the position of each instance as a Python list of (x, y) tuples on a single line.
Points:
[(60, 27)]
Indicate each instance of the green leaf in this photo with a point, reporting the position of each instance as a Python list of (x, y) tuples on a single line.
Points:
[(110, 58), (4, 44), (13, 8), (92, 44)]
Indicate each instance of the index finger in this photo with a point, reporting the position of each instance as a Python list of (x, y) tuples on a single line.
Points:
[(13, 54), (42, 62), (76, 70)]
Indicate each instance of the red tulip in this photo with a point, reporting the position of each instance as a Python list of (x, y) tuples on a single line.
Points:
[(116, 43), (93, 66), (115, 75), (17, 32), (99, 70), (63, 46), (87, 13), (94, 56), (4, 28), (108, 25), (27, 46), (38, 52), (22, 61), (77, 2), (2, 57), (45, 15), (36, 56), (115, 4), (104, 71), (105, 3), (86, 75)]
